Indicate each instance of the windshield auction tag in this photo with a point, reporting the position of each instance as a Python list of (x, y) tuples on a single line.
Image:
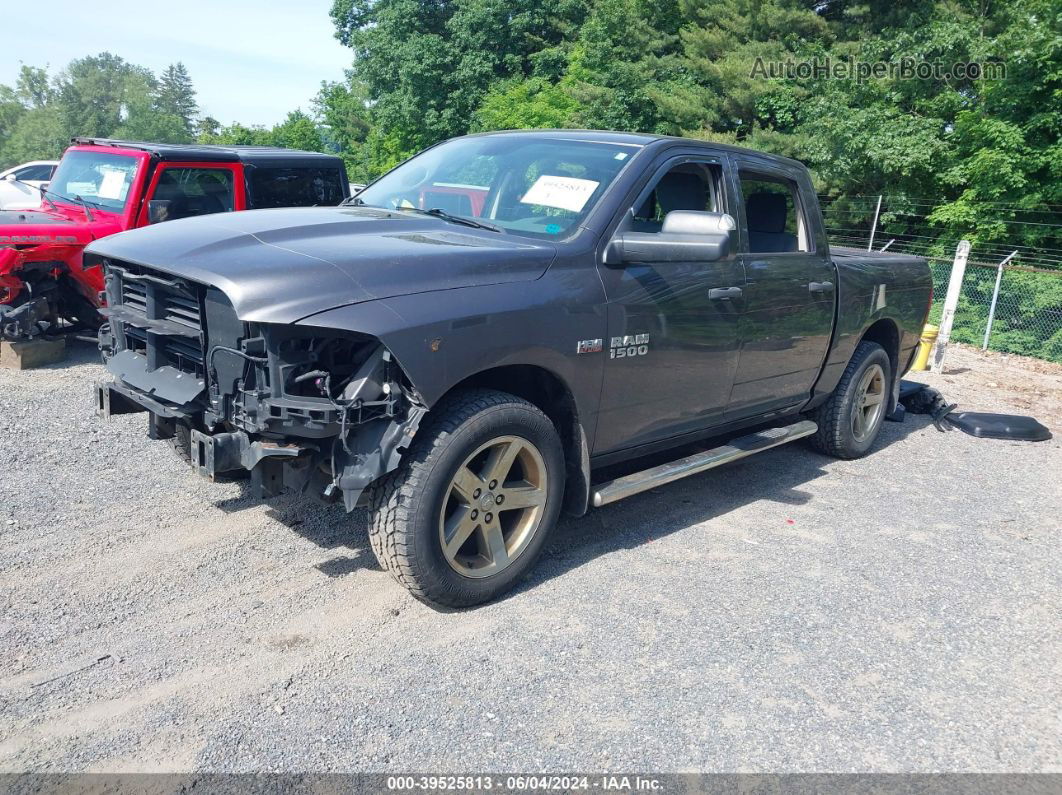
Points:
[(564, 193), (113, 185)]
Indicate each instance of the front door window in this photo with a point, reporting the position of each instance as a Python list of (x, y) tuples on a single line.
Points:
[(193, 191)]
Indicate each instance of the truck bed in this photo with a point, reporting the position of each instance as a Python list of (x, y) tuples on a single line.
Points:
[(845, 254)]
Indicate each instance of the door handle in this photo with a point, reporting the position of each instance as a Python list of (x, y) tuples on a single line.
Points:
[(724, 293), (820, 287)]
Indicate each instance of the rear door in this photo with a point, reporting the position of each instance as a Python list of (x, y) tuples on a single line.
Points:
[(785, 330)]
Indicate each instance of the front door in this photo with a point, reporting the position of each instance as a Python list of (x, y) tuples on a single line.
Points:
[(186, 190), (672, 345), (789, 294)]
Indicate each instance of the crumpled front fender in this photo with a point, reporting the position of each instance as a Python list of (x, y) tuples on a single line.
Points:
[(10, 285), (14, 261)]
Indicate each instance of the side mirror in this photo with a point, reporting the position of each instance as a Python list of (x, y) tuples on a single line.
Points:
[(158, 211), (686, 236), (11, 178), (692, 222)]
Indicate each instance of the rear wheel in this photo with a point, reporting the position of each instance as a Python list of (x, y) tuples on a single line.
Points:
[(849, 422), (467, 513)]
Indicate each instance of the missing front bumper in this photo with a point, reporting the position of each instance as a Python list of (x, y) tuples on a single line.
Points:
[(273, 466), (113, 398)]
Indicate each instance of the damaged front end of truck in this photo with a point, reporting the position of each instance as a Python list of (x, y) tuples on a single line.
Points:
[(318, 411), (42, 286)]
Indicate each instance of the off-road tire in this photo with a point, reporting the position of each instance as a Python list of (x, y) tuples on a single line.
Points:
[(835, 436), (404, 507), (182, 441)]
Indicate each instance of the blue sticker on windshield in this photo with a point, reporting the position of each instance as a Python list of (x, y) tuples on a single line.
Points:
[(553, 229)]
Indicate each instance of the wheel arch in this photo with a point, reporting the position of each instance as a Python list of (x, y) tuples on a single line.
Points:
[(885, 333), (548, 391)]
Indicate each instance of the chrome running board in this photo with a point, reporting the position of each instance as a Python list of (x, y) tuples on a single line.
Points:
[(734, 450)]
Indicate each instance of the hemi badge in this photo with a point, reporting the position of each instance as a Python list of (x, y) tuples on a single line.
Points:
[(589, 346)]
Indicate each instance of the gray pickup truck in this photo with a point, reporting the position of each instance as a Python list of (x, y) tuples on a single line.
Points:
[(494, 329)]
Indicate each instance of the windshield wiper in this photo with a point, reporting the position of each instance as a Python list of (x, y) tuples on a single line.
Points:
[(88, 212), (76, 200), (456, 219)]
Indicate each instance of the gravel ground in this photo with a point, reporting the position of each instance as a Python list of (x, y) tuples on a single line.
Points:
[(785, 613)]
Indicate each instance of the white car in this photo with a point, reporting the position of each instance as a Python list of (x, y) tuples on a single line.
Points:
[(20, 185)]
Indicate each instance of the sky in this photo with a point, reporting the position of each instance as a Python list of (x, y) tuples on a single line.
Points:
[(251, 61)]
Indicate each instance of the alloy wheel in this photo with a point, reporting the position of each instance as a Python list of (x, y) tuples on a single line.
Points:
[(493, 506), (869, 402)]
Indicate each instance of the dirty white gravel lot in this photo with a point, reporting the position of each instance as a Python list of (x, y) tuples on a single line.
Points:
[(786, 613)]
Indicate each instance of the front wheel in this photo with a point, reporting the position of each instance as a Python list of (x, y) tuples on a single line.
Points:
[(849, 422), (468, 512), (182, 441)]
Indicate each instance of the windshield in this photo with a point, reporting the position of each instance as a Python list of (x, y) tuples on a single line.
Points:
[(534, 186), (102, 179)]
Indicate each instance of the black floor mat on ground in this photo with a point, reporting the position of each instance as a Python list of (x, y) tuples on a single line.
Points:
[(921, 399), (908, 388), (999, 426)]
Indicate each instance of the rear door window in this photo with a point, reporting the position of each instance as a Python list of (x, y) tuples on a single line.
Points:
[(294, 187), (772, 214)]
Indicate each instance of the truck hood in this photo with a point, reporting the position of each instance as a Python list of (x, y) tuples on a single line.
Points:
[(279, 266), (63, 225)]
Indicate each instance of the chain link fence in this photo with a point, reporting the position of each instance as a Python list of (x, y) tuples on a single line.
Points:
[(1028, 314), (1027, 318)]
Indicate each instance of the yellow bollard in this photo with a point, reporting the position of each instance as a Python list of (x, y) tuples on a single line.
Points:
[(925, 345)]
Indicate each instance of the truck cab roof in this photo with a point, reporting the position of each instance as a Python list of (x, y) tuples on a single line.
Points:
[(206, 153), (638, 139)]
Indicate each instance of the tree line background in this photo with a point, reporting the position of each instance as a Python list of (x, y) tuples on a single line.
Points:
[(955, 158)]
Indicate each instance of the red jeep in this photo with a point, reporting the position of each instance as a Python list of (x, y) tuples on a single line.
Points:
[(102, 187)]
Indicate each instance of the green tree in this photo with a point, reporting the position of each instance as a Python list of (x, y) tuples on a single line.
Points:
[(91, 93), (176, 96), (39, 134), (297, 131), (33, 87), (427, 64), (402, 54), (237, 134), (102, 96), (11, 110), (522, 104), (343, 110), (206, 128), (143, 117)]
